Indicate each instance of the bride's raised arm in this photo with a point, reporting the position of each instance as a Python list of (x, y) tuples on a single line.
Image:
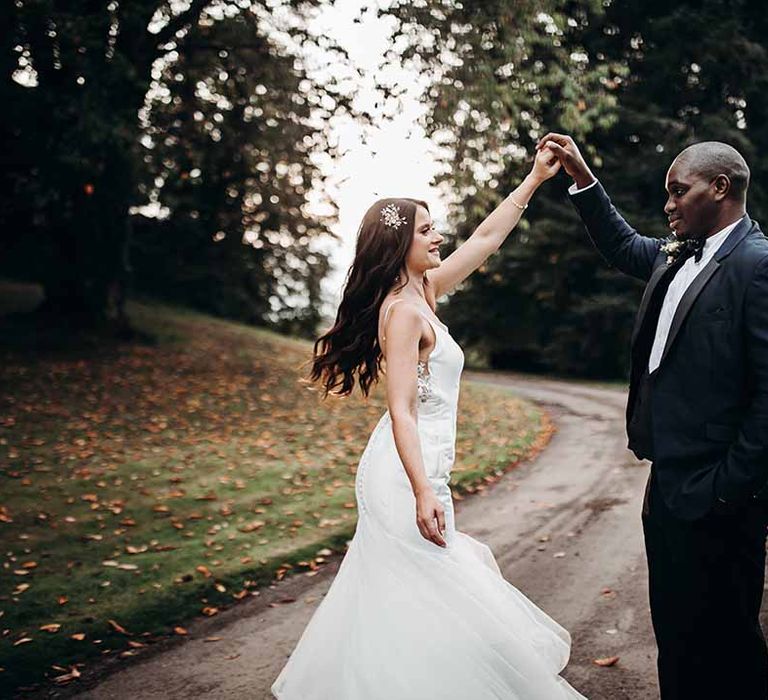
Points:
[(494, 229)]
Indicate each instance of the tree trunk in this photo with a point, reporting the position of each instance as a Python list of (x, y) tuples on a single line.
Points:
[(87, 276)]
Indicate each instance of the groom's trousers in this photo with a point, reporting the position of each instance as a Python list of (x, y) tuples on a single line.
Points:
[(706, 585)]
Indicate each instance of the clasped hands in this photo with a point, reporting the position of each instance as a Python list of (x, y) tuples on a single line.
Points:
[(568, 156)]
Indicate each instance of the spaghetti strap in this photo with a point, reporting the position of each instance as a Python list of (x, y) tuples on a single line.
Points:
[(432, 322), (386, 315)]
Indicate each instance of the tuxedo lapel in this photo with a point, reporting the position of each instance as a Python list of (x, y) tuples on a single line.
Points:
[(735, 237), (686, 302), (658, 273), (700, 281)]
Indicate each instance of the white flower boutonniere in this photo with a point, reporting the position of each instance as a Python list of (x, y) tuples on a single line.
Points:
[(676, 247), (672, 246)]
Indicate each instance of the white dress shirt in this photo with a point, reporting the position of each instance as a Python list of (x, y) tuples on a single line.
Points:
[(680, 282)]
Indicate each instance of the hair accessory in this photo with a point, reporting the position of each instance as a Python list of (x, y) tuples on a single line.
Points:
[(390, 215)]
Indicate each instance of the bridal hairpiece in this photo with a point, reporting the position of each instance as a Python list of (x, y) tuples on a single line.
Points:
[(390, 215)]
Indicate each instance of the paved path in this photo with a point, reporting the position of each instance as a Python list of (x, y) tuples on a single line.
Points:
[(565, 530)]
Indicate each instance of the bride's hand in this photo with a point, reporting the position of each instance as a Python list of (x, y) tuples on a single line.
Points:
[(545, 165), (430, 517)]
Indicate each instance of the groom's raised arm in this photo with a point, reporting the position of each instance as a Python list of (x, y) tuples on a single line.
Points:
[(620, 245)]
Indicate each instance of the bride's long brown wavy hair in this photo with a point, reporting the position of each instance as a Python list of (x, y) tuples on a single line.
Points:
[(350, 350)]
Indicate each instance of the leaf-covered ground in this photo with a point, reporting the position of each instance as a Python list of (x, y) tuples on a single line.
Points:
[(144, 484)]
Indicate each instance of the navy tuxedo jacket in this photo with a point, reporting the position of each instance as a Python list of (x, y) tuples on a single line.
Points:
[(709, 398)]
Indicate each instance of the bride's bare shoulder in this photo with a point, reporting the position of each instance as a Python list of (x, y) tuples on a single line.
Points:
[(390, 306)]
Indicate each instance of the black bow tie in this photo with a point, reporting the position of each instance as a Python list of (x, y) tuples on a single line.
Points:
[(692, 246)]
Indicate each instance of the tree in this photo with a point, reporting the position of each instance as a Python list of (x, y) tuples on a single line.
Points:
[(633, 82), (76, 77), (228, 135), (506, 72)]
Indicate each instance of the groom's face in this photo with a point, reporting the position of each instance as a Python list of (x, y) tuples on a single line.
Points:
[(691, 205)]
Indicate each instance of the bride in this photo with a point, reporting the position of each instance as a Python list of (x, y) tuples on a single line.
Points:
[(418, 610)]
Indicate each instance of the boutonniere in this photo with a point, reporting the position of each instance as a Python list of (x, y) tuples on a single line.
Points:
[(674, 247)]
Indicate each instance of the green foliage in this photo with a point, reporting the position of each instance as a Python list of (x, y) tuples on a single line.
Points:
[(120, 105), (232, 162), (633, 82)]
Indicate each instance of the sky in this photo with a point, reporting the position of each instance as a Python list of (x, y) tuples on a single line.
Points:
[(392, 159)]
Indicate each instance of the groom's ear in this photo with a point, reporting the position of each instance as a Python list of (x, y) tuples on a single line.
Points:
[(721, 186)]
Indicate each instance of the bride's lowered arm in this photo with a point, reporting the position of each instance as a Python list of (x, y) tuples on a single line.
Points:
[(494, 229), (402, 356)]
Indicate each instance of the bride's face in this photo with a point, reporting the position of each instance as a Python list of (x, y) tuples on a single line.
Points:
[(424, 253)]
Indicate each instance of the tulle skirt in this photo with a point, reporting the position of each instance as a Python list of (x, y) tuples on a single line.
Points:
[(405, 619)]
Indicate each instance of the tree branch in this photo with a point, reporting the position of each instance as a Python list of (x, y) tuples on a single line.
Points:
[(179, 21)]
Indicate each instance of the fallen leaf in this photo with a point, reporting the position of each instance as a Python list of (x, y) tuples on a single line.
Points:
[(608, 661), (67, 677), (180, 630), (118, 627), (53, 627), (136, 550), (23, 640)]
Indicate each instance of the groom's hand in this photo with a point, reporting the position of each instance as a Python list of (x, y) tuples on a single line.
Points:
[(570, 157)]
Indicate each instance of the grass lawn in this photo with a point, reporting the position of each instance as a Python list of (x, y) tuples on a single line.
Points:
[(144, 484)]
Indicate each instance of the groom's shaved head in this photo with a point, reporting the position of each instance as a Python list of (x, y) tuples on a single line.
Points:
[(709, 159), (706, 189)]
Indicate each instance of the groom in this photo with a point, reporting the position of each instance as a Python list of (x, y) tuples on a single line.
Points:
[(698, 410)]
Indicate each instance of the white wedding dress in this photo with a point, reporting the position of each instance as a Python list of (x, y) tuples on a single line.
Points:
[(405, 619)]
